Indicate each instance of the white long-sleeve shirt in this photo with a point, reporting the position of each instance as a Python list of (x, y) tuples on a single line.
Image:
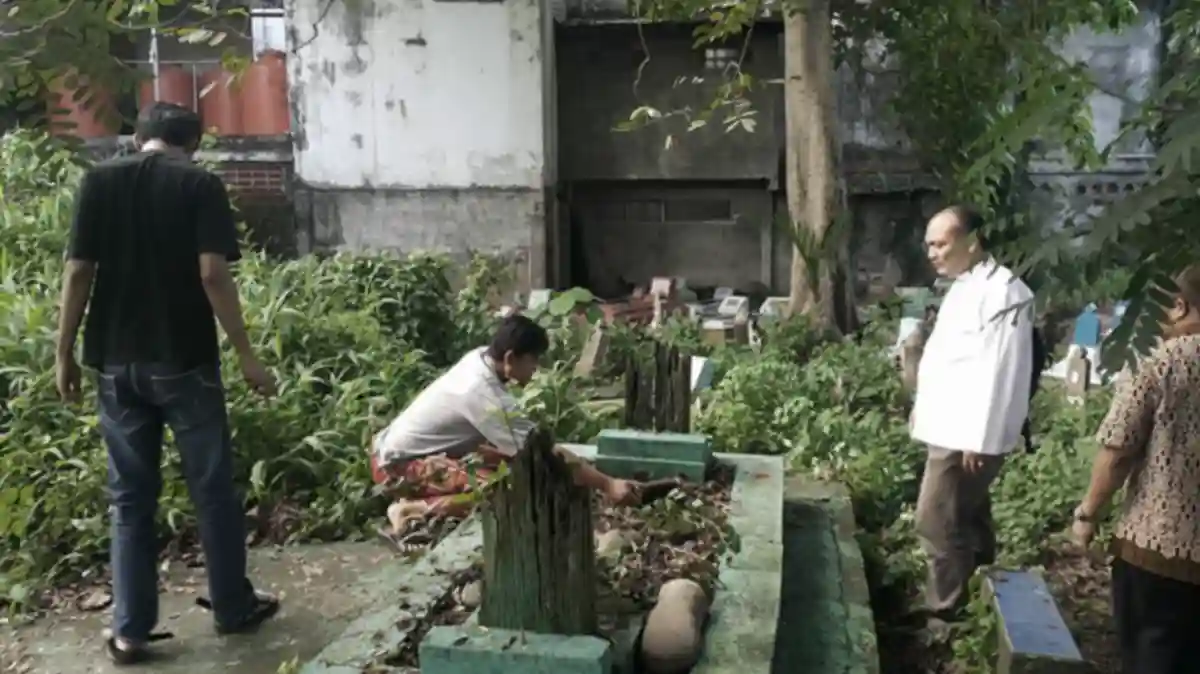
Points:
[(465, 408), (974, 377)]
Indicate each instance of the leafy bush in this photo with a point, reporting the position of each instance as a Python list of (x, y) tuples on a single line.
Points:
[(354, 338), (351, 338), (836, 409)]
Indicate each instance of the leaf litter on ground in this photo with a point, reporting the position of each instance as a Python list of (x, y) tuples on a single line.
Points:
[(684, 534)]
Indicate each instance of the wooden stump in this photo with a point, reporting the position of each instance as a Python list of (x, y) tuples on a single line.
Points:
[(538, 547), (658, 394)]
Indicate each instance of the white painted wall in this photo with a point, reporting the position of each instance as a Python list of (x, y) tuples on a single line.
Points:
[(1124, 64), (418, 94)]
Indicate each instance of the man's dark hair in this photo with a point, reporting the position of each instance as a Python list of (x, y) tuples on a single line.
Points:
[(173, 124), (521, 335)]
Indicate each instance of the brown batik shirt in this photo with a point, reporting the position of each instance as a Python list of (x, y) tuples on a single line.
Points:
[(1155, 416)]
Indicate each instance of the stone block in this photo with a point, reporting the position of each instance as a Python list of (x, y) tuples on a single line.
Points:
[(719, 331), (538, 298), (663, 286), (1034, 638), (595, 351), (702, 373), (734, 305), (463, 649), (628, 443), (630, 468), (773, 308)]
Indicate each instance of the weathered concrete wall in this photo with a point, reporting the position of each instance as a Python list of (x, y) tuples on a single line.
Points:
[(421, 124), (712, 234), (599, 87), (1125, 67)]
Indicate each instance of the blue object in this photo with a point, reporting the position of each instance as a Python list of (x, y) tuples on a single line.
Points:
[(1031, 627), (1087, 329)]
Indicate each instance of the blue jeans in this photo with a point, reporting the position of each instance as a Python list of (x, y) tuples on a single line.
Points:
[(136, 401)]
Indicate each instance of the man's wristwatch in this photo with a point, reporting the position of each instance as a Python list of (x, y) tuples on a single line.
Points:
[(1081, 516)]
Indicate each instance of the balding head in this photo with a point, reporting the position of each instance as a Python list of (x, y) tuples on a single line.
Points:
[(952, 240)]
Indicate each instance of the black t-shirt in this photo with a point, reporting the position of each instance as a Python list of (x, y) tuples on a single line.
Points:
[(144, 220)]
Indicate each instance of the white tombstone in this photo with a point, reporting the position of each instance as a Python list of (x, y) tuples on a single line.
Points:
[(538, 298), (686, 294), (702, 374), (1078, 375), (721, 293), (907, 327), (733, 305), (773, 308)]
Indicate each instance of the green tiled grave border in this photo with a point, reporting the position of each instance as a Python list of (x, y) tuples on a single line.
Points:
[(741, 632)]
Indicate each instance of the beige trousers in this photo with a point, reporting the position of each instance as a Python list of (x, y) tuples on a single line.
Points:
[(954, 523)]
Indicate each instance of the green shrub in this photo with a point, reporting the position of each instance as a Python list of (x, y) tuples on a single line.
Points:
[(351, 338)]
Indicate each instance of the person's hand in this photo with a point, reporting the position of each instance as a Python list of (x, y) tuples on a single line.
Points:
[(258, 377), (1082, 533), (623, 492), (68, 378), (972, 462)]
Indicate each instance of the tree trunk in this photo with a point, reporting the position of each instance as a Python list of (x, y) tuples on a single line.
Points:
[(539, 572), (810, 158)]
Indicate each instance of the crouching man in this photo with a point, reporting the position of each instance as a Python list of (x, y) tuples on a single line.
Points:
[(467, 421)]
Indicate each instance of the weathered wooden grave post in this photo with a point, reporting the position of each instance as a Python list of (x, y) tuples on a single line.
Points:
[(658, 390), (539, 569)]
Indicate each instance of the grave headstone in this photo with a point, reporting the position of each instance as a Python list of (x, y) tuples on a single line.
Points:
[(539, 298), (662, 286), (721, 293), (907, 327), (594, 352), (734, 305), (916, 300), (911, 351), (1079, 375), (773, 308), (717, 331), (702, 374), (686, 294)]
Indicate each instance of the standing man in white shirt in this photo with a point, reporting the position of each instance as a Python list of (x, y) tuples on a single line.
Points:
[(973, 390)]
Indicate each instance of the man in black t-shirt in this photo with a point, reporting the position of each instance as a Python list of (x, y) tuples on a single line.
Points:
[(150, 245)]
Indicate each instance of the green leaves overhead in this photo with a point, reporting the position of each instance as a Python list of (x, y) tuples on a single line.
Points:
[(43, 41)]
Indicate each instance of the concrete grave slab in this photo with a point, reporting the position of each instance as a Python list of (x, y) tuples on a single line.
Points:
[(470, 649), (635, 444), (402, 593), (1034, 638), (745, 613)]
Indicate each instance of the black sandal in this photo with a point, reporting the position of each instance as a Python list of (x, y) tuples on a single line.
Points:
[(135, 655), (263, 608)]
